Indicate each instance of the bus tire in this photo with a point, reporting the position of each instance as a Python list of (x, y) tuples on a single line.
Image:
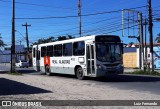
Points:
[(47, 70), (79, 73)]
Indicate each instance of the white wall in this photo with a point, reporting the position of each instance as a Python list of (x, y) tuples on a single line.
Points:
[(148, 54)]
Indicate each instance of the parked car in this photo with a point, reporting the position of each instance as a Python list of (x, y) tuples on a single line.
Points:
[(22, 64)]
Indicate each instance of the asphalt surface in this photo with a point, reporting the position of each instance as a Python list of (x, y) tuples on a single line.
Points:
[(37, 85), (5, 67), (119, 78)]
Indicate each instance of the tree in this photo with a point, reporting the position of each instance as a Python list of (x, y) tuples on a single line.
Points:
[(52, 39), (2, 44), (60, 38), (158, 38), (70, 37), (131, 43), (43, 40)]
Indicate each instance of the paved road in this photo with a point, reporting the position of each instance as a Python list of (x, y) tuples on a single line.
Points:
[(36, 85), (129, 81), (5, 67)]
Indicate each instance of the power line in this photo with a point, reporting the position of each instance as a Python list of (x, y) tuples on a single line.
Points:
[(109, 26), (40, 5), (74, 34), (73, 16), (112, 24), (90, 24), (112, 28), (120, 29)]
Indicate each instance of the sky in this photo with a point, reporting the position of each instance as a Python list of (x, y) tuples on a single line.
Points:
[(98, 17)]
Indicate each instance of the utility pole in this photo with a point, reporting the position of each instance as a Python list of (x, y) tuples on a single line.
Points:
[(20, 51), (27, 41), (142, 39), (140, 34), (13, 38), (79, 15), (150, 32), (146, 62)]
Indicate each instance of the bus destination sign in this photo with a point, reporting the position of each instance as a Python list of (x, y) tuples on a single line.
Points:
[(107, 39)]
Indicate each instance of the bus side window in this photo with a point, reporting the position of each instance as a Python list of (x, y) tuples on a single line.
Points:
[(43, 51), (78, 48), (50, 50), (67, 49), (58, 50)]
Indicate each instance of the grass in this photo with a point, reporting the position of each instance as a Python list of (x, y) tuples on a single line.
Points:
[(142, 72), (136, 68), (15, 73)]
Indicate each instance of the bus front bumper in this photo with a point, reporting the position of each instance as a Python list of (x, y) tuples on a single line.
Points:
[(109, 71)]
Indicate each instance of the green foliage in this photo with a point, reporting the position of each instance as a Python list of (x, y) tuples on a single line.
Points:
[(2, 44), (158, 38), (136, 68), (62, 38), (52, 39), (15, 73), (131, 43)]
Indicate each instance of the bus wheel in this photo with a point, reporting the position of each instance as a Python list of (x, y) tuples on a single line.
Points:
[(47, 71), (79, 73)]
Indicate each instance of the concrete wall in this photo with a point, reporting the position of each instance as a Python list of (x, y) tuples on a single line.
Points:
[(156, 55), (5, 58)]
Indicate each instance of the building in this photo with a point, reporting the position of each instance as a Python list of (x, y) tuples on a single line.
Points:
[(156, 55), (131, 56), (5, 54)]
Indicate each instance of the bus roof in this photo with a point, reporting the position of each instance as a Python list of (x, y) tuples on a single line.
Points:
[(92, 37)]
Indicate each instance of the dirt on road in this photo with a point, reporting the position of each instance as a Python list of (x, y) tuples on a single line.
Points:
[(42, 87)]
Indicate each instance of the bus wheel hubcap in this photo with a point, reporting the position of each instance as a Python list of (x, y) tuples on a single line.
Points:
[(80, 73)]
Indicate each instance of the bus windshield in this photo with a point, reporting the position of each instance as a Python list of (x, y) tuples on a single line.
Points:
[(108, 52)]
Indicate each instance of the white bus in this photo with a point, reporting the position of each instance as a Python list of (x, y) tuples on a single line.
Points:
[(94, 56)]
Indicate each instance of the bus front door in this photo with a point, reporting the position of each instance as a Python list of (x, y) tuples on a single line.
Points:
[(90, 60)]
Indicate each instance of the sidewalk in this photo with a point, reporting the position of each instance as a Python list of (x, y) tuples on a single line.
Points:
[(132, 70), (5, 66)]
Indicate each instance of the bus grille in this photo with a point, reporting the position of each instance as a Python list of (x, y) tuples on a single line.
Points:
[(111, 65)]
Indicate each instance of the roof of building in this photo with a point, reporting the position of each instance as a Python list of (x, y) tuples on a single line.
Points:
[(129, 49), (137, 45)]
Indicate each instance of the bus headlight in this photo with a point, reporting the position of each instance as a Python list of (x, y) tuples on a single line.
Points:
[(120, 66), (99, 66)]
